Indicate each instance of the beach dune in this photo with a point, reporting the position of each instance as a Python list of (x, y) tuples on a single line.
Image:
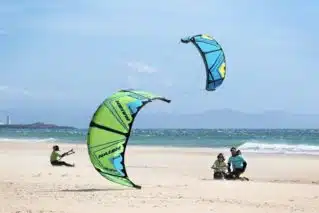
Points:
[(172, 179)]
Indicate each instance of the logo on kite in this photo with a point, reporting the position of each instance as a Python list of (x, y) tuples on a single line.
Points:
[(213, 57), (109, 151)]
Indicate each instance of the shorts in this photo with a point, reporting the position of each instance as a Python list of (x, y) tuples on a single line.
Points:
[(57, 163), (219, 175), (237, 172)]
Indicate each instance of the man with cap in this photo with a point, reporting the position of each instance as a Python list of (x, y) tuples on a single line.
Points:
[(237, 162)]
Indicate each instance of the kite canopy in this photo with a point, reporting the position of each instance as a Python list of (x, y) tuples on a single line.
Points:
[(110, 130), (213, 57)]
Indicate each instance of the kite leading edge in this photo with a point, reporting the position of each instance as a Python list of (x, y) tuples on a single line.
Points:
[(109, 132), (213, 57)]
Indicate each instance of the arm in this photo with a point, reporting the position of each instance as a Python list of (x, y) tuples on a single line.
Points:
[(228, 165), (214, 165), (244, 163), (68, 152), (225, 166), (64, 154)]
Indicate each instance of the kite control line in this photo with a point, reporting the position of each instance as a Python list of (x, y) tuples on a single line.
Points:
[(70, 152)]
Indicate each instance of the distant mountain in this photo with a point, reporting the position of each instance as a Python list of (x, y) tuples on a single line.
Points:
[(37, 125), (228, 119)]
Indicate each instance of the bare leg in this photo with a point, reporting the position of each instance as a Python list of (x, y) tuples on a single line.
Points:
[(67, 164)]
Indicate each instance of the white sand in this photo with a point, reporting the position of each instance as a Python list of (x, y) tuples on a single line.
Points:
[(172, 179)]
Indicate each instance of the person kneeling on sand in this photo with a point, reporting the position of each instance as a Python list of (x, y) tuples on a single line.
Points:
[(219, 167), (55, 155), (238, 164)]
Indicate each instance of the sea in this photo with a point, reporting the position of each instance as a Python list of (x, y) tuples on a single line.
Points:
[(279, 141)]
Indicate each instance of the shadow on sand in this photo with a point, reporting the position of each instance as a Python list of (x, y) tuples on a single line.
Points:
[(240, 179), (91, 190), (148, 167)]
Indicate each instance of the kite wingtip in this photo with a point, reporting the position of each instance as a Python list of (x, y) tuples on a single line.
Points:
[(210, 89), (185, 40), (126, 90), (166, 100), (137, 187)]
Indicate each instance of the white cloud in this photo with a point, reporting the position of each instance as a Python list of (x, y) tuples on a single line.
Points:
[(2, 32), (3, 88), (14, 91), (141, 67), (146, 81), (168, 83)]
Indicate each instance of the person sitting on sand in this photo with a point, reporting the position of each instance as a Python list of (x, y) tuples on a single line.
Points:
[(237, 162), (219, 167), (55, 155)]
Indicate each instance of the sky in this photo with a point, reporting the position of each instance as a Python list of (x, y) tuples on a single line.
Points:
[(68, 56)]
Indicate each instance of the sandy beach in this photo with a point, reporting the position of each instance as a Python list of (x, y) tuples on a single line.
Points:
[(172, 179)]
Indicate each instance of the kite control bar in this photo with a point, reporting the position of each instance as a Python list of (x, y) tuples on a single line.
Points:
[(70, 152)]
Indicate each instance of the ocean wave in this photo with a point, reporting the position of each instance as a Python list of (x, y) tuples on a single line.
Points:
[(279, 148), (28, 140)]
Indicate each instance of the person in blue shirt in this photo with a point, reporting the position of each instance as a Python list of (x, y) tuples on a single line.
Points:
[(237, 162)]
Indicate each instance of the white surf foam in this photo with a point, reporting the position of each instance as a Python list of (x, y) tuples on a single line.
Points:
[(279, 148), (27, 140)]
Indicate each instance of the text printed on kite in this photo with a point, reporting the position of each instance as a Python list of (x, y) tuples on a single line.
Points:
[(109, 132), (213, 57)]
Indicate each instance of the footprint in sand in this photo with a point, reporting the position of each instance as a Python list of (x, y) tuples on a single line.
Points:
[(37, 175)]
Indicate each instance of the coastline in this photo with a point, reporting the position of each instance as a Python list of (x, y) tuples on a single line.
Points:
[(284, 142)]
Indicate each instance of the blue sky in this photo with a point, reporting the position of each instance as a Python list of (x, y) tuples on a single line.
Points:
[(70, 55)]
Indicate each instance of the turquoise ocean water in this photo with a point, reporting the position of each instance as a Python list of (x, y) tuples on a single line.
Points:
[(289, 141)]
